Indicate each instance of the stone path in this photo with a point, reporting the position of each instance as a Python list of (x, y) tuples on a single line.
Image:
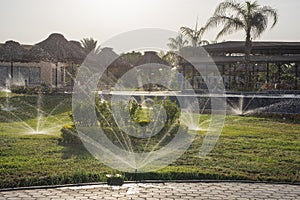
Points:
[(165, 191)]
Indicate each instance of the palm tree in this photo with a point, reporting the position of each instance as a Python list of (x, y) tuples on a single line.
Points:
[(88, 44), (250, 17), (177, 43), (194, 35)]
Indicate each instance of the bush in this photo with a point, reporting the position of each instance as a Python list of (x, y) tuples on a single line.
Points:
[(165, 131), (44, 89), (70, 135), (19, 89)]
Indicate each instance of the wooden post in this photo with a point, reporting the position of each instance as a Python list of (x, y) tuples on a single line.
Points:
[(252, 76), (257, 76), (11, 74), (223, 74), (107, 81), (193, 75), (279, 73), (229, 74), (64, 76), (223, 70), (56, 64), (296, 76), (234, 73), (268, 75)]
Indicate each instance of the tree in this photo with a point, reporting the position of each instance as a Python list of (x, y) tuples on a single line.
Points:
[(177, 43), (250, 17), (88, 44), (172, 58), (132, 57), (194, 35)]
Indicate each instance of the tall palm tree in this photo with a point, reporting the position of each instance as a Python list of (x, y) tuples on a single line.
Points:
[(177, 43), (194, 35), (250, 17), (88, 44)]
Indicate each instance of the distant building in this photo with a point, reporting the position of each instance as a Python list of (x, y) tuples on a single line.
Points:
[(51, 62), (54, 62), (273, 65)]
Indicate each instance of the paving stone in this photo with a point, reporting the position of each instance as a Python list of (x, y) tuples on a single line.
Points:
[(167, 191)]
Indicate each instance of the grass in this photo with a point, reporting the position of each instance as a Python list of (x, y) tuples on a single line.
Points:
[(249, 148)]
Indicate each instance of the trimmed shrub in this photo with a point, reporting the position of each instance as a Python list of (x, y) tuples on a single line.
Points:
[(70, 135)]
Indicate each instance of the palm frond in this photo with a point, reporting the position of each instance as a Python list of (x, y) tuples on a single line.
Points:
[(251, 17), (270, 12), (186, 31), (88, 44), (259, 23), (233, 6), (177, 43), (229, 28), (230, 24)]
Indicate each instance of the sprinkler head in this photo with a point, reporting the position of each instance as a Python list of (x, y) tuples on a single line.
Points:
[(115, 179)]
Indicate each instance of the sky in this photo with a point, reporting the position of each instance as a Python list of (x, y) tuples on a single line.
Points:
[(31, 21)]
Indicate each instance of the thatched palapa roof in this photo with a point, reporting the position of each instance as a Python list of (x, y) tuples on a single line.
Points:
[(107, 57), (60, 49), (150, 57), (37, 54), (56, 48), (12, 51)]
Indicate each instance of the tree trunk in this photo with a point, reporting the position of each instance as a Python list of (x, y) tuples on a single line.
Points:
[(248, 47)]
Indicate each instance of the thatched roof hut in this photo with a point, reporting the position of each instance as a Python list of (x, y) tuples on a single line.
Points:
[(37, 54), (118, 67), (60, 49), (76, 43), (12, 51), (150, 57), (55, 49), (108, 58)]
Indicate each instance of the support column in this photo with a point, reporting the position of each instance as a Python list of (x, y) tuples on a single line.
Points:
[(223, 73), (11, 70), (268, 73), (193, 75), (296, 76), (257, 75), (64, 76), (56, 73), (234, 73), (229, 75), (279, 73), (11, 80)]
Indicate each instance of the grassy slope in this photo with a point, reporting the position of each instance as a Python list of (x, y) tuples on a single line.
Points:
[(249, 148)]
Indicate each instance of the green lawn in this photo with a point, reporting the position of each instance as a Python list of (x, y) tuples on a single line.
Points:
[(250, 148)]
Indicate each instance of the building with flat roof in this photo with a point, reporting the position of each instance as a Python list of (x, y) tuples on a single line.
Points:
[(273, 65)]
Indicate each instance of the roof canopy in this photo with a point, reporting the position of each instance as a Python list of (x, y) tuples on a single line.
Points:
[(60, 49), (12, 51), (257, 47), (150, 57), (233, 52)]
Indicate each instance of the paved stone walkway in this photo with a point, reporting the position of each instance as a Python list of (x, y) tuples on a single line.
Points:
[(165, 191)]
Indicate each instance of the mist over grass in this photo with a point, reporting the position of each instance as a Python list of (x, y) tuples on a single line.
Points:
[(249, 148)]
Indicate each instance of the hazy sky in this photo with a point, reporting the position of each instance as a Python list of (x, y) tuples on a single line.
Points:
[(31, 21)]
